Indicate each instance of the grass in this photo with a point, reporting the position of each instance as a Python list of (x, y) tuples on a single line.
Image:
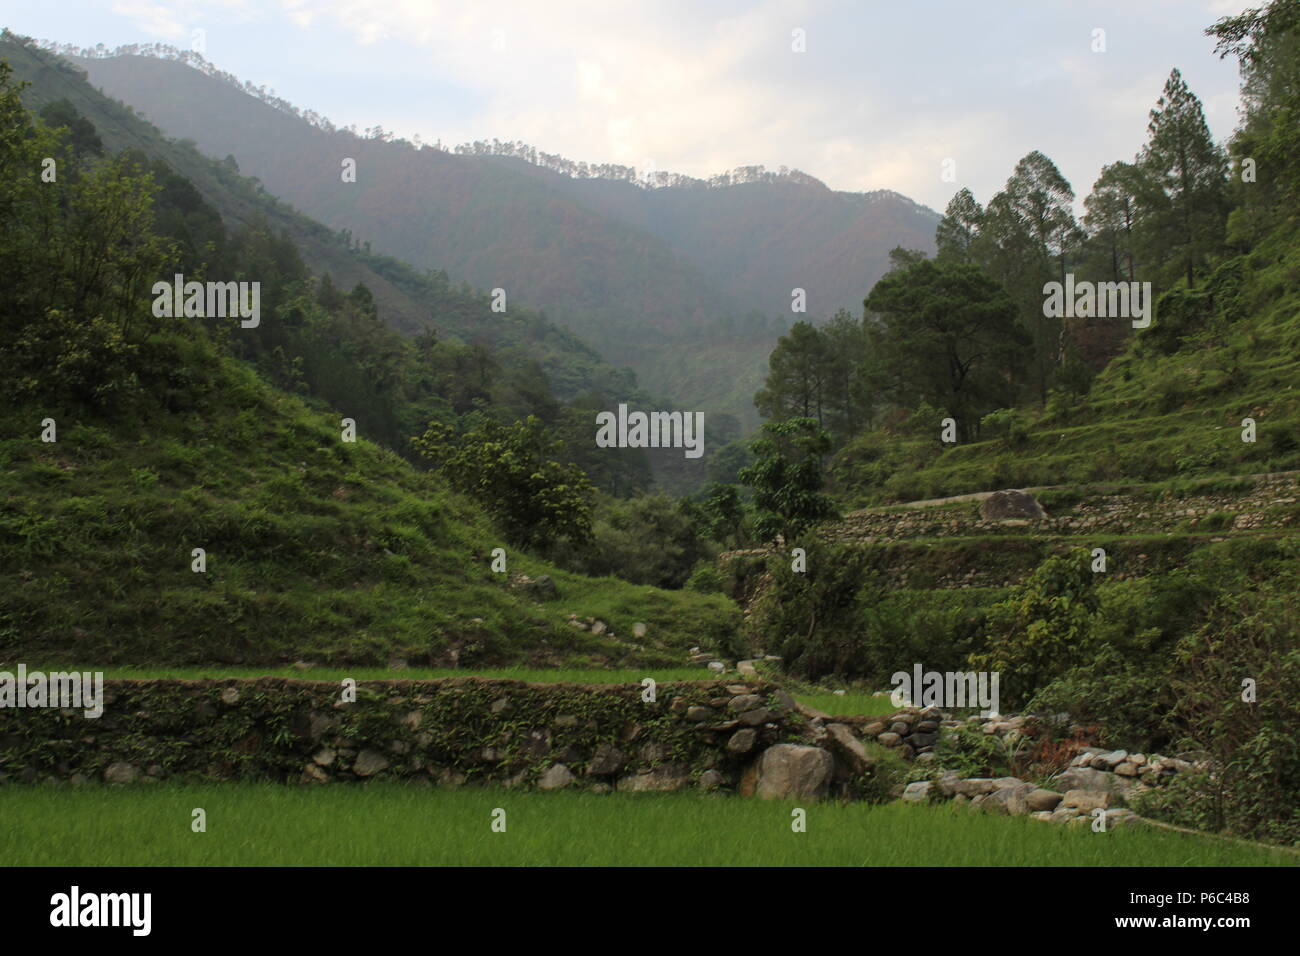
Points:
[(390, 824), (334, 553)]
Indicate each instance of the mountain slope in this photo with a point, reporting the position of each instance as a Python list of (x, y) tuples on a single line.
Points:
[(658, 279), (407, 299)]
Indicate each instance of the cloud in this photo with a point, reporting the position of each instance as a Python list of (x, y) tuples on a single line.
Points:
[(881, 96)]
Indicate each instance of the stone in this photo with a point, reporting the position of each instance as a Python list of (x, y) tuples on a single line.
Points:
[(699, 713), (566, 721), (743, 702), (1012, 799), (638, 629), (499, 705), (1086, 778), (1001, 782), (1085, 800), (947, 783), (1043, 801), (369, 763), (121, 772), (756, 717), (605, 761), (599, 627), (1011, 503), (917, 792), (1127, 769), (742, 741), (849, 747), (230, 695), (874, 729), (717, 667), (556, 777), (900, 727), (710, 780), (923, 740), (793, 771), (974, 786), (543, 588), (889, 739), (661, 779), (323, 757)]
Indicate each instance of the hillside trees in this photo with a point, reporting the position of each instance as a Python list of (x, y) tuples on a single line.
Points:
[(947, 336), (787, 477), (1185, 222), (1266, 42), (513, 471)]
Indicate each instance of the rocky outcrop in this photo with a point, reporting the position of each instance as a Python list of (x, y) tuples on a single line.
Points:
[(1012, 504)]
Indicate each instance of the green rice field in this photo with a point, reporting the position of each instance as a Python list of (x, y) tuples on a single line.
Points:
[(400, 824)]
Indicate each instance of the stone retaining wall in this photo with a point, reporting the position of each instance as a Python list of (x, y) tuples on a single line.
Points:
[(449, 732)]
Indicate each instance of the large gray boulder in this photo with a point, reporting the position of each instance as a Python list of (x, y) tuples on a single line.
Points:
[(1011, 504), (794, 771)]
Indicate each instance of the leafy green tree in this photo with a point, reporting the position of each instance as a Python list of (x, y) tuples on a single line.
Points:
[(1186, 219), (1266, 42), (1111, 219), (796, 378), (1042, 629), (948, 335), (513, 472), (722, 514), (1026, 237), (956, 233), (787, 478)]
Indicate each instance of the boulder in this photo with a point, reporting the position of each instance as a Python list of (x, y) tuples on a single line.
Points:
[(1043, 801), (793, 771), (849, 747), (121, 772), (369, 763), (1012, 799), (1085, 800), (742, 741), (917, 792), (710, 780), (1011, 503), (1086, 778), (556, 777)]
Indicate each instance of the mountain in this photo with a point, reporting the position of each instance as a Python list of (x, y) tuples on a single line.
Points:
[(688, 284), (408, 299)]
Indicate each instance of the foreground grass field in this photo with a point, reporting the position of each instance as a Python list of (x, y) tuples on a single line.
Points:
[(391, 824)]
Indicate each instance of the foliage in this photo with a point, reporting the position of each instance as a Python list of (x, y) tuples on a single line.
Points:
[(787, 478), (512, 472)]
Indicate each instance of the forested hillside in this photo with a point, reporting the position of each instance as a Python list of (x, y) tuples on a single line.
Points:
[(689, 283), (191, 489)]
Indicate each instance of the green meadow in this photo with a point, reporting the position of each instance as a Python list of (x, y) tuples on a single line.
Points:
[(404, 825)]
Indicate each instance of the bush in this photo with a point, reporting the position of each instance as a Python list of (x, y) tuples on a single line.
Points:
[(817, 615)]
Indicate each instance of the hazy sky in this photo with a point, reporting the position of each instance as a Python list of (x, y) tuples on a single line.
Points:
[(883, 93)]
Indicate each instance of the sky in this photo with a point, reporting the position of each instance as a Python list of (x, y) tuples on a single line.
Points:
[(920, 96)]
